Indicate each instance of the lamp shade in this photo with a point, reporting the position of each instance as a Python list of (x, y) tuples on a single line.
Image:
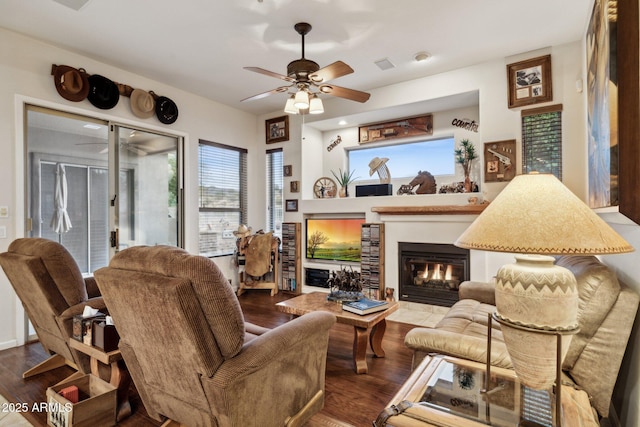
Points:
[(537, 214), (302, 100), (315, 106), (289, 108)]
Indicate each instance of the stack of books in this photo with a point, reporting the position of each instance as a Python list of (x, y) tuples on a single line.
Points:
[(365, 306)]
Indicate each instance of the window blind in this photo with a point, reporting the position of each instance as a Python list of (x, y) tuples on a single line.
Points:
[(275, 190), (542, 140), (222, 177)]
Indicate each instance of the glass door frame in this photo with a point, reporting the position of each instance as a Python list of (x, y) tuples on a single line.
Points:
[(23, 225)]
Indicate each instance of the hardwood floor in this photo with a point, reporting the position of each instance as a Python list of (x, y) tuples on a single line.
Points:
[(351, 398)]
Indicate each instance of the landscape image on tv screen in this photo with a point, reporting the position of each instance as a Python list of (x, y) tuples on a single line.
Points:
[(334, 239)]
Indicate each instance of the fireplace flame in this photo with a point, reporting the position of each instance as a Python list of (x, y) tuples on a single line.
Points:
[(437, 272)]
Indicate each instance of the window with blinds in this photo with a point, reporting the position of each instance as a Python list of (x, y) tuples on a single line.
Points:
[(222, 178), (542, 140), (275, 191)]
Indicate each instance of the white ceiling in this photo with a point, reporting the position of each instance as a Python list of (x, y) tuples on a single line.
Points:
[(201, 46)]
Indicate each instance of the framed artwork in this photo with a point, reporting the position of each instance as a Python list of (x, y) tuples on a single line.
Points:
[(291, 205), (499, 161), (398, 128), (287, 170), (277, 129), (530, 81), (294, 186), (602, 109)]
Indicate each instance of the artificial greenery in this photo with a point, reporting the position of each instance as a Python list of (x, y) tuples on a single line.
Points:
[(344, 178), (465, 155)]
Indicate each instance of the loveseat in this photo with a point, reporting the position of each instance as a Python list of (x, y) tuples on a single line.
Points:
[(606, 313)]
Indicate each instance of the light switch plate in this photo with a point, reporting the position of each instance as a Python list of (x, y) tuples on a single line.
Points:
[(4, 211), (3, 232)]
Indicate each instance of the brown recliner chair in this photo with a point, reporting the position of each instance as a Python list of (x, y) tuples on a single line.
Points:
[(50, 285), (190, 353)]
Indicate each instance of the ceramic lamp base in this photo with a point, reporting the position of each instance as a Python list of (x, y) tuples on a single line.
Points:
[(539, 295)]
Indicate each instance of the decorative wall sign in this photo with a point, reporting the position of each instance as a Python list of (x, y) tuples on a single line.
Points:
[(277, 129), (400, 128), (500, 160), (530, 81), (334, 143), (466, 124)]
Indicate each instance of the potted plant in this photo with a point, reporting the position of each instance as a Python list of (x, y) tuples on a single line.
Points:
[(344, 179), (465, 156)]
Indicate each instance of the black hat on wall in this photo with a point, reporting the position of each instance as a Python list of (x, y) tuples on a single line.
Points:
[(166, 110), (103, 93)]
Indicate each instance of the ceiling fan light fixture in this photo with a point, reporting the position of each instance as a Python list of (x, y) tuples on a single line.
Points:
[(315, 105), (302, 100), (289, 108)]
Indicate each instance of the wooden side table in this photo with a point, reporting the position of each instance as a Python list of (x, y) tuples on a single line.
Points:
[(446, 391), (117, 371)]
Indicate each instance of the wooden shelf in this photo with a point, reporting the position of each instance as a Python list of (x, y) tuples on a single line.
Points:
[(430, 210)]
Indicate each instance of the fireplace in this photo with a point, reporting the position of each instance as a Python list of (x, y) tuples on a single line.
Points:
[(431, 273)]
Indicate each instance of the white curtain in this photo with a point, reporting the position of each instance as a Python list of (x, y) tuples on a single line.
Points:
[(60, 223)]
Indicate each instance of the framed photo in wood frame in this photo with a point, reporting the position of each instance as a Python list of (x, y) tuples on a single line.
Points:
[(277, 129), (291, 205), (530, 81), (500, 160)]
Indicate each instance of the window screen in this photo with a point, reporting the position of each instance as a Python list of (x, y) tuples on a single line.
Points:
[(222, 173), (542, 140)]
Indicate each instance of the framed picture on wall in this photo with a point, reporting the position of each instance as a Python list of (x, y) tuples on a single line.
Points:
[(291, 205), (287, 170), (500, 160), (277, 129), (530, 81), (294, 186)]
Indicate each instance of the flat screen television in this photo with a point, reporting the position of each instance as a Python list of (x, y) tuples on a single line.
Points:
[(334, 239)]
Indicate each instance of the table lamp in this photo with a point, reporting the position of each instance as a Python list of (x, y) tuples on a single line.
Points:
[(536, 216)]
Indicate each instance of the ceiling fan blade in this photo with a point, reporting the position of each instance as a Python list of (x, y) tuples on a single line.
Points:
[(343, 92), (270, 73), (265, 94), (330, 72)]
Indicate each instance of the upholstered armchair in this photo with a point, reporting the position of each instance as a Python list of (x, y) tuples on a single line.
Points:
[(606, 313), (52, 290), (191, 355)]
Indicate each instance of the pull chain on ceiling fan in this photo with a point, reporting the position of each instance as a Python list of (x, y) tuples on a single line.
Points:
[(305, 75)]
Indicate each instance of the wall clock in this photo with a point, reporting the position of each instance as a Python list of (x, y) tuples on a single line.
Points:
[(325, 188)]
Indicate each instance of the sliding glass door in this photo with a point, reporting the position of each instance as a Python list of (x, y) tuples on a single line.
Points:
[(97, 187), (147, 187)]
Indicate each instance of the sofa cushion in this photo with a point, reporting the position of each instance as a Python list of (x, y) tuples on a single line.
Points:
[(598, 290), (462, 333)]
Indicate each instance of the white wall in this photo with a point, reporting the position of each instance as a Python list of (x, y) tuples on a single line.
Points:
[(25, 66)]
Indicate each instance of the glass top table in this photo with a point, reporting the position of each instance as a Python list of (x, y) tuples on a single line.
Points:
[(457, 388), (446, 391)]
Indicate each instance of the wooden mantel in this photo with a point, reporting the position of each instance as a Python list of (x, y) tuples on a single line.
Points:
[(430, 210)]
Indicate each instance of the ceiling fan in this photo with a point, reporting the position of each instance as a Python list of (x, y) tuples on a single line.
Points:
[(305, 75)]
